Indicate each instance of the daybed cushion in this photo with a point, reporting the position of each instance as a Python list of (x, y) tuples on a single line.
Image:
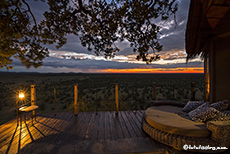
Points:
[(226, 113), (221, 105), (191, 105), (222, 116), (166, 118), (204, 114)]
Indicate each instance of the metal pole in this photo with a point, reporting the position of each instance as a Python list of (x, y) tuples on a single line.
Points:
[(154, 91), (116, 97), (75, 99)]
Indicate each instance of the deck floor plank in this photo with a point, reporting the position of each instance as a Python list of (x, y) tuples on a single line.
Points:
[(10, 126), (118, 127), (33, 130), (63, 124), (85, 126), (128, 124), (107, 126), (76, 132), (66, 135), (96, 129), (102, 126), (129, 114), (14, 144), (139, 115), (84, 130), (50, 127), (90, 131), (15, 138), (123, 126), (6, 133), (112, 128), (137, 123), (40, 125), (76, 126)]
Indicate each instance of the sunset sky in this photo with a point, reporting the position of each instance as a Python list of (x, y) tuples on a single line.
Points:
[(72, 57)]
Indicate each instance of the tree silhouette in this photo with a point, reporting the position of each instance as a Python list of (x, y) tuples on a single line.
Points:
[(100, 24)]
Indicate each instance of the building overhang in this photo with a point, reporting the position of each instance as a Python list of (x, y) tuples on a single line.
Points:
[(207, 19)]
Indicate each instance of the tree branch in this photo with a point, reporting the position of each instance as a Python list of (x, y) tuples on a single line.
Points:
[(30, 13), (15, 9), (81, 7)]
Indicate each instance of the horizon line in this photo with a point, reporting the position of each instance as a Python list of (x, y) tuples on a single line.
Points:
[(106, 72)]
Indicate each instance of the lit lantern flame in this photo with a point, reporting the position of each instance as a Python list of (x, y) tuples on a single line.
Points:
[(21, 95)]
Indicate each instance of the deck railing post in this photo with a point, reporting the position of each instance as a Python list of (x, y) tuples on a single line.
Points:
[(116, 97), (193, 91), (33, 97), (154, 91), (55, 93), (75, 99)]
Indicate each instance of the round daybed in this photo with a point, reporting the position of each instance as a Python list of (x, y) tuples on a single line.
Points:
[(169, 125)]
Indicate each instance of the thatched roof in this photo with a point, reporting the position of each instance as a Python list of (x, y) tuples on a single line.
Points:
[(207, 19)]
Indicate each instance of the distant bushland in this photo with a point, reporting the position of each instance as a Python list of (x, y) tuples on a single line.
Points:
[(96, 91)]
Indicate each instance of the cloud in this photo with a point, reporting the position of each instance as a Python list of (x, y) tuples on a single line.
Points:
[(72, 57), (82, 61), (173, 36), (38, 8)]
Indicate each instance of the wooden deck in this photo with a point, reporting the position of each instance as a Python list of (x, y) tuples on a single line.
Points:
[(89, 132)]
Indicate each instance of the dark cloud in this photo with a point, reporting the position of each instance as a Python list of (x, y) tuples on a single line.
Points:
[(172, 39), (38, 8), (126, 51), (176, 33), (73, 44), (182, 12), (101, 64)]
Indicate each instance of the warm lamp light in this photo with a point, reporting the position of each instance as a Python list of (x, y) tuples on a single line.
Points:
[(21, 95)]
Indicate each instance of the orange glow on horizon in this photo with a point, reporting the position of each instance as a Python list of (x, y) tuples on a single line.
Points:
[(156, 70)]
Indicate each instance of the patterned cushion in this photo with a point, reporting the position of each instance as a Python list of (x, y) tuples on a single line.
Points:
[(203, 113), (226, 112), (192, 114), (223, 115), (204, 105), (191, 105), (221, 105)]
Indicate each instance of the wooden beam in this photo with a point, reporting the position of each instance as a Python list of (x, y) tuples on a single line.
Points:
[(33, 97), (193, 91), (207, 80), (75, 99)]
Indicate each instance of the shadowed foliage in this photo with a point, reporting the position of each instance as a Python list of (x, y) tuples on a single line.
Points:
[(100, 24)]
